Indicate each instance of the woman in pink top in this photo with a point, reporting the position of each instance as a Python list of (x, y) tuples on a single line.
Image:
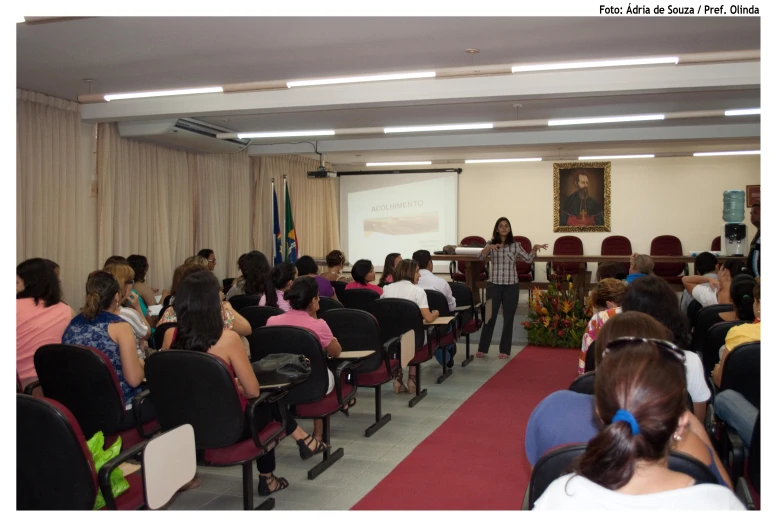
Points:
[(41, 316), (303, 298), (283, 275), (363, 273), (387, 276)]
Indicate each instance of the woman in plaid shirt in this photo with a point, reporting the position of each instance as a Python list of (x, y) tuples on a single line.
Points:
[(502, 287)]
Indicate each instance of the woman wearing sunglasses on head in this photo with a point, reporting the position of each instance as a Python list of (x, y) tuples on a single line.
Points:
[(640, 399)]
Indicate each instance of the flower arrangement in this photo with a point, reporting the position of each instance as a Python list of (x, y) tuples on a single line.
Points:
[(556, 317)]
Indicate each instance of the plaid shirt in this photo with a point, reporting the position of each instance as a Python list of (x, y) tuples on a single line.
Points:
[(503, 263)]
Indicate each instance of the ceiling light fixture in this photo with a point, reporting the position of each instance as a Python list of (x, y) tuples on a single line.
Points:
[(397, 163), (163, 93), (362, 78), (594, 64), (437, 128), (597, 120), (633, 156), (747, 111), (295, 133), (514, 160), (739, 153)]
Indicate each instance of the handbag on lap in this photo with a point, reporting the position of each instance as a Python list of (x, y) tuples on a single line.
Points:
[(282, 368)]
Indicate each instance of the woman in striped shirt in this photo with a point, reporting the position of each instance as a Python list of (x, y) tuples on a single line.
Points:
[(502, 287)]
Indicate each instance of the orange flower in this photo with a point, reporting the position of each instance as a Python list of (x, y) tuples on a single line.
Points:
[(545, 311), (566, 306)]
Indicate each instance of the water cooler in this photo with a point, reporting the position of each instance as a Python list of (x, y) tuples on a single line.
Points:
[(733, 237)]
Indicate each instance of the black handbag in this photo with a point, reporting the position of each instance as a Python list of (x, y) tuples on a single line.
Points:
[(282, 368)]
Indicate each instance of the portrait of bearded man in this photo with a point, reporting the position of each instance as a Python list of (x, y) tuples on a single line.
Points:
[(579, 209)]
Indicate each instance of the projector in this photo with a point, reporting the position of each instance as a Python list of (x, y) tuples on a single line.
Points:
[(321, 173)]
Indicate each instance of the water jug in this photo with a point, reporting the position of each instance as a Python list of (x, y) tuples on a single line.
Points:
[(733, 206)]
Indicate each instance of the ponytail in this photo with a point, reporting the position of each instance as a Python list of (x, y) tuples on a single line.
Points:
[(101, 288), (610, 457)]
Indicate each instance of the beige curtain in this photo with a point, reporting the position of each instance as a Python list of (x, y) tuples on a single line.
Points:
[(313, 204), (52, 188), (146, 203)]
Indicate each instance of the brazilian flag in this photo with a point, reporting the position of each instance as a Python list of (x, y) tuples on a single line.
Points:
[(276, 228)]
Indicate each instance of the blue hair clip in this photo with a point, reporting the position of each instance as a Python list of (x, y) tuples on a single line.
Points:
[(626, 417)]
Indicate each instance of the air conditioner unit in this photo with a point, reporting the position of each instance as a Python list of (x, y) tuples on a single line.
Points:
[(187, 133)]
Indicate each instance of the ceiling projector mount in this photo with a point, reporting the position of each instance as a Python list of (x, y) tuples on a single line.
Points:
[(321, 172)]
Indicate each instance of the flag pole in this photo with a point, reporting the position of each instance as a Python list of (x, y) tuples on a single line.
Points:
[(272, 208), (285, 226)]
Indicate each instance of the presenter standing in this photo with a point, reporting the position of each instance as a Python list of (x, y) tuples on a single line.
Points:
[(502, 287)]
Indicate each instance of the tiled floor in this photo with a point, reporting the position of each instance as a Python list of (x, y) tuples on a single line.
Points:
[(366, 460)]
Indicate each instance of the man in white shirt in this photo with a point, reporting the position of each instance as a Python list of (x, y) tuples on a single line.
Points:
[(428, 280), (706, 265)]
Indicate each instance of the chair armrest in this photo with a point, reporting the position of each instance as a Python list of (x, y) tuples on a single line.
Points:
[(737, 453), (136, 402), (30, 387), (743, 493), (103, 476), (452, 268), (387, 347), (338, 374), (250, 415)]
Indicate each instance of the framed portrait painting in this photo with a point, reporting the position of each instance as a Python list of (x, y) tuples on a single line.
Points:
[(581, 197)]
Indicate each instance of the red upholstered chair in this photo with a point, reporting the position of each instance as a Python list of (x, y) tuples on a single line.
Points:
[(525, 270), (617, 246), (396, 316), (191, 387), (668, 245), (565, 245), (358, 330), (715, 244), (480, 268), (54, 468), (443, 335), (84, 380), (309, 400), (470, 319)]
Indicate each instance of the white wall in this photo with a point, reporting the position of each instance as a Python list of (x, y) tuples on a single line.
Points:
[(649, 197)]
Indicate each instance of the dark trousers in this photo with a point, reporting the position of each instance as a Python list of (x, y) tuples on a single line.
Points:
[(505, 296), (264, 414)]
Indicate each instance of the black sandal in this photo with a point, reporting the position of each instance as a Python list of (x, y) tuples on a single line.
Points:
[(304, 447), (264, 484), (348, 406)]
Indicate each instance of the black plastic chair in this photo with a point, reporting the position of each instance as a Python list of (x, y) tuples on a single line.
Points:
[(226, 284), (159, 334), (692, 311), (559, 461), (357, 298), (753, 474), (257, 316), (715, 337), (242, 301), (705, 319), (357, 330), (199, 389), (584, 383), (338, 286), (308, 400), (590, 357), (445, 335), (85, 381), (325, 304), (470, 319), (397, 316)]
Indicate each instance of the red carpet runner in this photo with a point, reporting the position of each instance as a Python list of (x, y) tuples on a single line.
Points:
[(475, 460)]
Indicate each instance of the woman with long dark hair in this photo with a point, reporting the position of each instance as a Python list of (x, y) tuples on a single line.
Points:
[(201, 328), (640, 399), (139, 264), (391, 262), (502, 287), (283, 275), (363, 274)]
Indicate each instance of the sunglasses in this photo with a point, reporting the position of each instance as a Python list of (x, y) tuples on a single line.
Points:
[(665, 346)]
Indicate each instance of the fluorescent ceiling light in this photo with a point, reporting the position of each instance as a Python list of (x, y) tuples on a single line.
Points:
[(296, 133), (163, 93), (594, 64), (633, 156), (514, 160), (596, 120), (438, 128), (395, 163), (748, 111), (740, 153), (362, 78)]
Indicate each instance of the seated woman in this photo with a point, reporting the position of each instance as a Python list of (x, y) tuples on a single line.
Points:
[(640, 400), (41, 316), (100, 326), (335, 261), (606, 299), (363, 273), (199, 329), (178, 275), (130, 309), (387, 276), (283, 275), (406, 277), (566, 417), (238, 284), (139, 264), (744, 299), (709, 290), (210, 258), (307, 266), (303, 299)]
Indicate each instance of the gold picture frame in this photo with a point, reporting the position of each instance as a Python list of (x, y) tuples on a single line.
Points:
[(570, 205)]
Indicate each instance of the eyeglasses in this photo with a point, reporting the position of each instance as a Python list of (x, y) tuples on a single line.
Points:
[(130, 282), (212, 261), (664, 345)]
